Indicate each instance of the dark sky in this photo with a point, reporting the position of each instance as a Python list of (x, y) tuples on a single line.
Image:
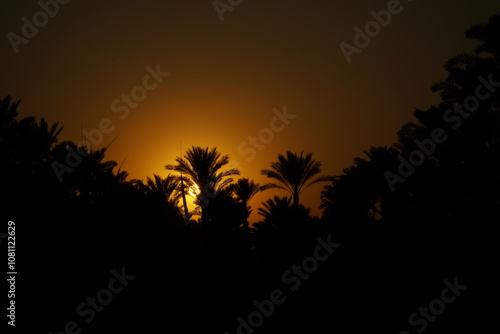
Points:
[(226, 77)]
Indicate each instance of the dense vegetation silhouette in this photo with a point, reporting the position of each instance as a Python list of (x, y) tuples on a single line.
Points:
[(198, 271)]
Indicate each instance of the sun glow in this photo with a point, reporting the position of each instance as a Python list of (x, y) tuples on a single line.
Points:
[(194, 190)]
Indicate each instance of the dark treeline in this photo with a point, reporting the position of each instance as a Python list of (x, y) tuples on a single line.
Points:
[(407, 217)]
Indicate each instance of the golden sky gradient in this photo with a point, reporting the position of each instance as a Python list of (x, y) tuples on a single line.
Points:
[(225, 78)]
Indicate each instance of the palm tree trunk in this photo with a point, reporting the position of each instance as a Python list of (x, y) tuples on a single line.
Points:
[(186, 212)]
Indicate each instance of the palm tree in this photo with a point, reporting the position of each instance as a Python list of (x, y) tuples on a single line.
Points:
[(92, 177), (280, 213), (163, 190), (463, 69), (294, 174), (477, 137), (202, 166), (274, 208), (26, 142), (244, 189), (361, 190), (25, 149), (8, 113), (488, 36)]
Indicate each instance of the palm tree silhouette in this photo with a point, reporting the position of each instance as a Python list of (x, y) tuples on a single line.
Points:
[(464, 68), (275, 208), (8, 113), (477, 136), (488, 36), (202, 166), (26, 141), (281, 213), (361, 191), (162, 190), (244, 189), (294, 174)]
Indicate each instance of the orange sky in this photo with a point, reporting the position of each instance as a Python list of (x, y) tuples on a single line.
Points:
[(226, 77)]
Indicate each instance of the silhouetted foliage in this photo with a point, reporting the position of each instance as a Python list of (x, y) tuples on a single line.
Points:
[(202, 166), (294, 174), (398, 244)]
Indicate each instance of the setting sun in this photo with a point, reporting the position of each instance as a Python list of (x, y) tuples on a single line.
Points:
[(194, 190)]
